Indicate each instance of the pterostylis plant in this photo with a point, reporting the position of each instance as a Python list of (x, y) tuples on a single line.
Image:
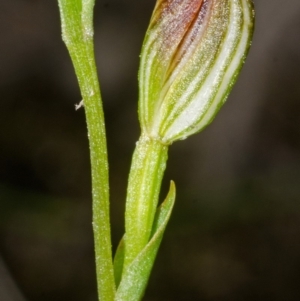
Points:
[(191, 57)]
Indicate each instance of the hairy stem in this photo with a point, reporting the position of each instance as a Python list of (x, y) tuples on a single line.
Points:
[(147, 169), (76, 17)]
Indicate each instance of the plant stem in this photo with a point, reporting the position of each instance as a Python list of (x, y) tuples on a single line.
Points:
[(147, 169), (99, 165), (78, 37)]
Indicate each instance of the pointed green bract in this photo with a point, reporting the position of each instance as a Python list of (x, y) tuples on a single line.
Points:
[(135, 276), (119, 261), (191, 56)]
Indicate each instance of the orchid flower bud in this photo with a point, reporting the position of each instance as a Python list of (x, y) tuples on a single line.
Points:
[(191, 56)]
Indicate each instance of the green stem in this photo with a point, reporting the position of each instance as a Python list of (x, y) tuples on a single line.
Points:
[(78, 36), (147, 169)]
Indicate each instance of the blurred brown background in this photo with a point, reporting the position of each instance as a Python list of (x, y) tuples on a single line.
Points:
[(235, 231)]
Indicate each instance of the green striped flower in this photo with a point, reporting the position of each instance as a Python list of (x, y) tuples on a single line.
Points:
[(191, 56)]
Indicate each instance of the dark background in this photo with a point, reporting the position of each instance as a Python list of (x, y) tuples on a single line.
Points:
[(235, 230)]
